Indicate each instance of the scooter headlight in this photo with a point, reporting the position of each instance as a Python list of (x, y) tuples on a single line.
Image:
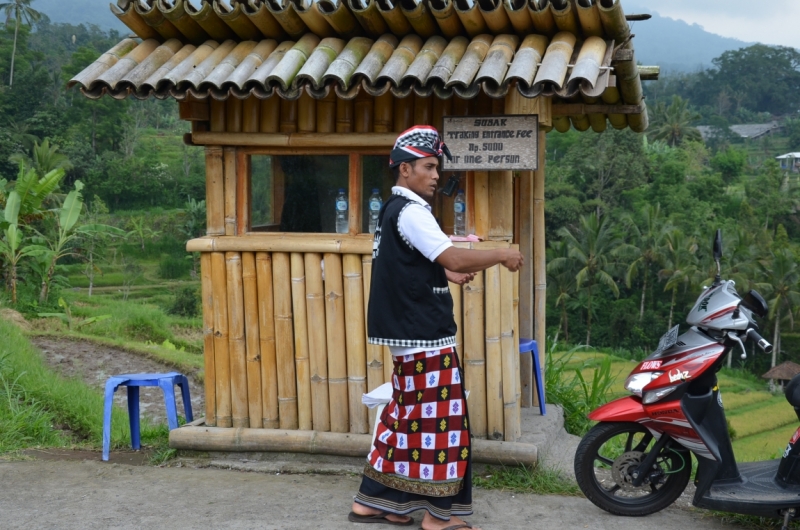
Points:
[(636, 382), (657, 395)]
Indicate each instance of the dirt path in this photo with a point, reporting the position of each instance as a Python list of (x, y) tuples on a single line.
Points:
[(94, 364), (71, 495)]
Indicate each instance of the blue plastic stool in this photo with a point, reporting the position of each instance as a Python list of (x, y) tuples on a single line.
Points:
[(529, 345), (166, 382)]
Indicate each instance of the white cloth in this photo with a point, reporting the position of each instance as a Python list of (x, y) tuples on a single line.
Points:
[(419, 227)]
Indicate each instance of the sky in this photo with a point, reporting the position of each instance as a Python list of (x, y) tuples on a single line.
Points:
[(765, 21)]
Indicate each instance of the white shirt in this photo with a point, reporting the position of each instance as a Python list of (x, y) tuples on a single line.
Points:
[(418, 226)]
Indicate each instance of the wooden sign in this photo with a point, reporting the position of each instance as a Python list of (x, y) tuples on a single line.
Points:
[(491, 143)]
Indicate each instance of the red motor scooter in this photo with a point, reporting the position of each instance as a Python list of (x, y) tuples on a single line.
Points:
[(637, 459)]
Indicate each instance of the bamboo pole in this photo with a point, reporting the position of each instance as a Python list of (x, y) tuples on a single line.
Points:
[(270, 115), (356, 343), (326, 113), (388, 364), (441, 108), (266, 334), (236, 341), (423, 110), (221, 352), (539, 256), (306, 114), (217, 115), (375, 377), (284, 242), (254, 394), (363, 112), (233, 115), (480, 181), (344, 116), (383, 113), (209, 371), (458, 314), (229, 165), (403, 113), (475, 354), (367, 143), (517, 374), (494, 355), (525, 280), (288, 121), (315, 442), (317, 342), (501, 205), (509, 364), (215, 192), (337, 354), (394, 18), (284, 340), (242, 193), (251, 112), (301, 355)]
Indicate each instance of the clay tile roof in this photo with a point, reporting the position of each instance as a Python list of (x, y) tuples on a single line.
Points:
[(435, 47), (785, 370)]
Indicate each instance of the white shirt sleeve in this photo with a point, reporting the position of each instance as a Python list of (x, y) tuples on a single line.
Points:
[(418, 226)]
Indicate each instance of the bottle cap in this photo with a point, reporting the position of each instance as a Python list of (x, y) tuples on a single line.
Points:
[(460, 191), (341, 190), (375, 190)]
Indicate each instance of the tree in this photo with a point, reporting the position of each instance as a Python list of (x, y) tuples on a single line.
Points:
[(561, 280), (20, 11), (142, 232), (680, 265), (592, 246), (12, 249), (673, 124), (646, 246), (33, 190), (45, 158)]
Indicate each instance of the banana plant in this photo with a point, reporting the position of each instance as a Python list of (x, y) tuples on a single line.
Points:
[(68, 230), (12, 248), (72, 322), (33, 189)]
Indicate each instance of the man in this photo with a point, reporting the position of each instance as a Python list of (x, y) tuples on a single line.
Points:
[(420, 458)]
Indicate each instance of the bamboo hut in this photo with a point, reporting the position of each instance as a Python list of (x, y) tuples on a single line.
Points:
[(293, 102), (783, 373)]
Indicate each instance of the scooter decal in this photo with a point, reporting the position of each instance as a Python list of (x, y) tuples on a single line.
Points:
[(719, 314), (678, 375), (703, 306), (651, 365)]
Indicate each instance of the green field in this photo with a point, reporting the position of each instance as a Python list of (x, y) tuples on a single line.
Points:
[(763, 422)]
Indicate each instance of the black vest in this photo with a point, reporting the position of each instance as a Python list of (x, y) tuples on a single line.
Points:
[(409, 301)]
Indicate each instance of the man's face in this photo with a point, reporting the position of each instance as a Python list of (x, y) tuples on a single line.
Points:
[(421, 177)]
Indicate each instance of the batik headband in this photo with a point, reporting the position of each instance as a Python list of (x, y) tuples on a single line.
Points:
[(420, 141)]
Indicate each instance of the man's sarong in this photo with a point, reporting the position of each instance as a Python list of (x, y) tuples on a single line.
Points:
[(420, 457)]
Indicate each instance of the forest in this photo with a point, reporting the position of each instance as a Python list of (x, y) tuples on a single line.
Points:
[(89, 188)]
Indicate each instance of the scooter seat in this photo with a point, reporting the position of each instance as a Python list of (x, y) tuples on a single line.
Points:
[(793, 392)]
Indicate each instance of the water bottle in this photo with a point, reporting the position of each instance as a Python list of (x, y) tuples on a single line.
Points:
[(342, 213), (375, 203), (460, 210)]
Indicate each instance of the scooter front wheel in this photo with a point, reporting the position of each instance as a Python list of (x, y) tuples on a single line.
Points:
[(609, 455)]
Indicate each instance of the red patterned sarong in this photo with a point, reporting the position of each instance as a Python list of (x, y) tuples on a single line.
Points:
[(422, 442)]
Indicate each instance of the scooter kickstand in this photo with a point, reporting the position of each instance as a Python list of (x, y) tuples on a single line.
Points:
[(786, 515)]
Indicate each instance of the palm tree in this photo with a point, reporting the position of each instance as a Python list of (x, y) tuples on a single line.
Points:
[(561, 280), (592, 246), (646, 247), (21, 11), (673, 124), (782, 275), (680, 265), (45, 158)]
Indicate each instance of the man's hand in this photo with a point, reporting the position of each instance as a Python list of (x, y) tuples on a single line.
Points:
[(459, 278), (513, 261)]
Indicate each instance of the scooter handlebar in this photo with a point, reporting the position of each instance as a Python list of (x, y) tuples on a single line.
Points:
[(761, 341)]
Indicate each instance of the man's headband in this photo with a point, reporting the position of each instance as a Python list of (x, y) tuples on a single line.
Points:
[(420, 141)]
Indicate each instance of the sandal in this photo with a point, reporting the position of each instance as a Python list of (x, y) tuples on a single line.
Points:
[(379, 518), (455, 526)]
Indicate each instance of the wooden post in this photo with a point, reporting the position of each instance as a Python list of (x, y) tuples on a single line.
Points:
[(326, 113), (539, 256), (354, 194), (317, 343), (363, 111), (374, 352), (517, 374), (509, 363), (337, 353), (288, 123), (254, 394), (458, 314), (306, 114), (217, 121), (475, 354), (215, 192), (242, 193), (251, 113), (494, 355), (344, 116), (266, 334), (270, 115), (236, 342), (233, 115), (356, 344), (209, 372), (229, 163), (383, 113), (301, 355), (221, 354), (284, 340)]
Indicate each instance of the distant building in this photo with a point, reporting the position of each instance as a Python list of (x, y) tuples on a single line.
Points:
[(790, 162), (783, 373), (748, 131)]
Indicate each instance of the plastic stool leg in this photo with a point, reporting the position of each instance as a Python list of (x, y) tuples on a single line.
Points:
[(133, 415), (537, 373), (187, 399), (169, 400), (111, 387)]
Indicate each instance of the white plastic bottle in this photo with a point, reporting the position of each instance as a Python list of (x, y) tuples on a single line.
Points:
[(375, 203), (342, 213), (460, 210)]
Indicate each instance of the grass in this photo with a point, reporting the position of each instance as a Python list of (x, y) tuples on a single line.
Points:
[(522, 479), (764, 445), (24, 421), (762, 419)]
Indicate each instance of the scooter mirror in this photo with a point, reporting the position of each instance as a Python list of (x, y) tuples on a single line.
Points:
[(718, 245)]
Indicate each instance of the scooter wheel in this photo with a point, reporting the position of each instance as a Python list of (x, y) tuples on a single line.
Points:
[(608, 456)]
